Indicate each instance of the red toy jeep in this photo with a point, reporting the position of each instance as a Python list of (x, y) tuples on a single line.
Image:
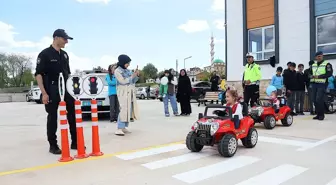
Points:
[(219, 128), (266, 113)]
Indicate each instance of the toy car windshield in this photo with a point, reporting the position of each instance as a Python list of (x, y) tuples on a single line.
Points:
[(266, 102), (217, 112)]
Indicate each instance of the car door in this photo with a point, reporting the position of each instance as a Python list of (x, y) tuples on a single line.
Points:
[(200, 88)]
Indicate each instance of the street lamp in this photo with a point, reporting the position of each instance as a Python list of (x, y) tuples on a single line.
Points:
[(225, 27), (185, 60)]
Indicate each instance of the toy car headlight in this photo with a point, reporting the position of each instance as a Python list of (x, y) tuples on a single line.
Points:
[(195, 126), (257, 111), (214, 128)]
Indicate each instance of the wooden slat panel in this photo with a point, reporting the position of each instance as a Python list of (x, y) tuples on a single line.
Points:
[(259, 13)]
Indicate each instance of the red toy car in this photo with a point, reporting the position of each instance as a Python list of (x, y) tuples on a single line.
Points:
[(220, 129), (267, 114)]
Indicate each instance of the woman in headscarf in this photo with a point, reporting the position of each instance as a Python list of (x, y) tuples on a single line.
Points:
[(126, 94), (112, 93), (184, 93)]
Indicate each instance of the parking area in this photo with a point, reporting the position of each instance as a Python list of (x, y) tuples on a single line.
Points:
[(155, 153)]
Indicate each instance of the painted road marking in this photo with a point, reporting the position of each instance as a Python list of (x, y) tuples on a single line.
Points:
[(275, 176), (209, 171), (178, 159), (281, 141), (315, 144), (58, 164), (150, 152), (332, 182)]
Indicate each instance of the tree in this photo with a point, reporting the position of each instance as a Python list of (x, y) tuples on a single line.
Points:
[(3, 70), (161, 73), (17, 66), (149, 71), (141, 77)]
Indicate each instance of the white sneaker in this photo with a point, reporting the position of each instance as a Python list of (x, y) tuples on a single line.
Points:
[(126, 131), (119, 132)]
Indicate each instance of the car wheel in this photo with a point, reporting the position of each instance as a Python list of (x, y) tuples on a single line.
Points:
[(191, 142), (227, 147), (27, 98), (142, 96), (288, 120), (269, 122), (251, 140)]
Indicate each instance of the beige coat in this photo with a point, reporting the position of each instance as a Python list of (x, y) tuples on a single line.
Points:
[(126, 97)]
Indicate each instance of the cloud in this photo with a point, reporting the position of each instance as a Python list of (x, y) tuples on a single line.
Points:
[(9, 44), (219, 24), (218, 5), (219, 40), (94, 1), (192, 26)]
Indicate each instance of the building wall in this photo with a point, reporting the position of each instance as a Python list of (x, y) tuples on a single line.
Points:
[(259, 13), (234, 40)]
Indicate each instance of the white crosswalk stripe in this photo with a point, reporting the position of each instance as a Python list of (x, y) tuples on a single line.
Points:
[(176, 162)]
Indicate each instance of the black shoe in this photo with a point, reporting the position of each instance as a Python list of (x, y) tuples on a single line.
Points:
[(316, 117), (183, 114), (74, 146), (320, 118), (55, 150), (293, 114), (131, 120)]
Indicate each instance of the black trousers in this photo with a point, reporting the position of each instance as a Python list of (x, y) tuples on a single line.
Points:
[(251, 94), (114, 107), (318, 95), (185, 104), (52, 110)]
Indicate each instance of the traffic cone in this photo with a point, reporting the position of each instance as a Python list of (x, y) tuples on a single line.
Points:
[(80, 135), (65, 157), (95, 130)]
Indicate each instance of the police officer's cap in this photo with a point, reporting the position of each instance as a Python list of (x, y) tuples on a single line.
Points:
[(61, 33), (249, 55), (318, 53)]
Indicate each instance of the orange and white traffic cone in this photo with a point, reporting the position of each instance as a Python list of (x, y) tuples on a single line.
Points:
[(80, 135), (95, 130), (64, 133)]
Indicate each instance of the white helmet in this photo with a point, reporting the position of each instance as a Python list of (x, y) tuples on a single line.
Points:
[(249, 55)]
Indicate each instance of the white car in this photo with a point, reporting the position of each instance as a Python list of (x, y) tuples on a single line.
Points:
[(36, 95), (142, 94), (102, 99)]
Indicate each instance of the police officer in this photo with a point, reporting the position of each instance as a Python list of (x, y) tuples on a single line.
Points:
[(251, 80), (321, 71), (50, 62)]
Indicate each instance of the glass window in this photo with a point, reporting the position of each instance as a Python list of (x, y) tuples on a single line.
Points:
[(261, 42), (326, 33)]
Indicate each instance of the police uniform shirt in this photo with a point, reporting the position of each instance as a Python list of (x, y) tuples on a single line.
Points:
[(50, 63)]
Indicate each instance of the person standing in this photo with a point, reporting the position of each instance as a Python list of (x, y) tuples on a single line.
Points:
[(126, 94), (307, 74), (214, 81), (112, 93), (50, 63), (321, 71), (167, 91), (300, 93), (148, 92), (251, 80), (291, 85), (277, 81), (184, 93)]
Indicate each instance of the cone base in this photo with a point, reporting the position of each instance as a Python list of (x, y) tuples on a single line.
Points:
[(97, 154), (82, 156), (66, 159)]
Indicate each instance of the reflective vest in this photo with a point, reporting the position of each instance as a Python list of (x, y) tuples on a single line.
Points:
[(252, 72), (319, 70)]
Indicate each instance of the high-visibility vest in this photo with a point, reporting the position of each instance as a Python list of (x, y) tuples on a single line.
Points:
[(253, 73), (319, 70)]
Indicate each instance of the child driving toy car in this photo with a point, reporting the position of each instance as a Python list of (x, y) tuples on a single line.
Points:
[(232, 100), (271, 92)]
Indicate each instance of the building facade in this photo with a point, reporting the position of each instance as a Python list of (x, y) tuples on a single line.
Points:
[(290, 30), (217, 65)]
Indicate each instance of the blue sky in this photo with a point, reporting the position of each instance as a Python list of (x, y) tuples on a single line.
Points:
[(146, 30)]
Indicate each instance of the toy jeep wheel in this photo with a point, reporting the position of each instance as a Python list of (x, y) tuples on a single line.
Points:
[(251, 140), (269, 122), (227, 147), (288, 120), (191, 142)]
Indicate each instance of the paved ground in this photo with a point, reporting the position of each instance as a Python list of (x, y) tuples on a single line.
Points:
[(155, 153)]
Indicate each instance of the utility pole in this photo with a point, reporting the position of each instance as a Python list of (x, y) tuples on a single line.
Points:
[(176, 68), (225, 24)]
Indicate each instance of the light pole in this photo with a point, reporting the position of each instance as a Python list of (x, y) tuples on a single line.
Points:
[(225, 27), (185, 60)]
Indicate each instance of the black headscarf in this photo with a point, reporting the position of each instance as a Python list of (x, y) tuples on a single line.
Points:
[(122, 60)]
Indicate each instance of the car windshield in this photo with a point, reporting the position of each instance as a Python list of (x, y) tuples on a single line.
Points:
[(102, 77), (216, 113)]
